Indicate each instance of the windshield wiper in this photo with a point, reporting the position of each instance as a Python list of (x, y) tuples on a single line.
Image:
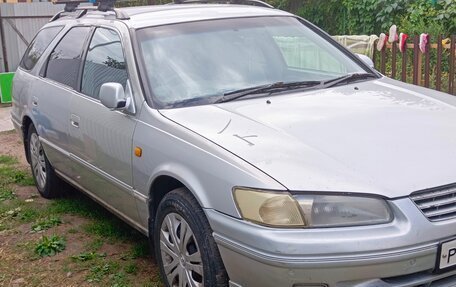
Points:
[(347, 78), (269, 88)]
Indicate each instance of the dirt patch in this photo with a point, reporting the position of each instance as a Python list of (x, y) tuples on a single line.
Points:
[(88, 258), (11, 144)]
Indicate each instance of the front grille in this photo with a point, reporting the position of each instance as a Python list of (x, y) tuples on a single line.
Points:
[(420, 279), (438, 203)]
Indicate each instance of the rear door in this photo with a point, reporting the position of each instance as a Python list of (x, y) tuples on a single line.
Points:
[(51, 96), (101, 140)]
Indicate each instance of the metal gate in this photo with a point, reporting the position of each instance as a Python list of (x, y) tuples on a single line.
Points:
[(19, 23)]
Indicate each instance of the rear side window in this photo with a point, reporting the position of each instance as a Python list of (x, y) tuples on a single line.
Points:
[(104, 63), (38, 45), (65, 59)]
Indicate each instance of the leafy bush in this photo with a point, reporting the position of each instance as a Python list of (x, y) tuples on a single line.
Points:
[(351, 17), (50, 246), (439, 18)]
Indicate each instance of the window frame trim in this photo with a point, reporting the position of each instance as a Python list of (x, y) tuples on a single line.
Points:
[(84, 57), (48, 57), (62, 27)]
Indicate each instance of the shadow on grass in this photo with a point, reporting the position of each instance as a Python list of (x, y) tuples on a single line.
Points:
[(102, 222)]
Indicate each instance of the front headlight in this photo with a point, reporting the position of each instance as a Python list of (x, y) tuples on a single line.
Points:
[(281, 209)]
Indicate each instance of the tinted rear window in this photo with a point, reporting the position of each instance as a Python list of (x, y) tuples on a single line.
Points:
[(38, 45), (65, 59)]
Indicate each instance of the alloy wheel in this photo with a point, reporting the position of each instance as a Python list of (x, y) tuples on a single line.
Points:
[(180, 253), (38, 160)]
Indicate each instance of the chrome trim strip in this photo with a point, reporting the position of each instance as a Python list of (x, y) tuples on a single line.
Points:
[(347, 260), (103, 174), (141, 197), (107, 206), (53, 146), (16, 122), (98, 171), (417, 279), (232, 284)]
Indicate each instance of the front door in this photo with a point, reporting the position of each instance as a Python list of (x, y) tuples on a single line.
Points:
[(101, 139)]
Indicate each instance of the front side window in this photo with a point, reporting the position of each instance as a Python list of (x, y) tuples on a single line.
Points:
[(65, 60), (195, 63), (38, 45), (104, 63)]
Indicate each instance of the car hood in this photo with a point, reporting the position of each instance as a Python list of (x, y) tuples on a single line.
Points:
[(380, 136)]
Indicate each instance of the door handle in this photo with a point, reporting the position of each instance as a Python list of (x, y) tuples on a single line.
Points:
[(35, 101), (74, 120), (74, 124)]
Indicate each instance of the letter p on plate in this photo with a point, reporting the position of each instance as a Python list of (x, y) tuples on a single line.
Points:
[(447, 254)]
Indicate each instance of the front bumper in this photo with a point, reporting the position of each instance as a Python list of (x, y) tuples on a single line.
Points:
[(401, 253)]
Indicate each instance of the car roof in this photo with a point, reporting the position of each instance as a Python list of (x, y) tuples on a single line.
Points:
[(156, 15)]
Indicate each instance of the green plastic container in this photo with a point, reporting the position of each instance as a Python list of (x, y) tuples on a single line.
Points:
[(6, 84)]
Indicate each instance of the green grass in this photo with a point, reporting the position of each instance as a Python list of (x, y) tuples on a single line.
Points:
[(99, 271), (109, 273), (10, 174), (15, 212), (94, 245), (23, 178), (140, 249), (75, 205), (72, 231), (30, 213), (50, 246), (101, 227), (103, 224), (155, 281), (46, 223), (6, 193), (87, 256), (7, 160), (111, 229), (119, 280), (131, 268)]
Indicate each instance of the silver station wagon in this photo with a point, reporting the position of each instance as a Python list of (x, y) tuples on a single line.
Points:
[(249, 146)]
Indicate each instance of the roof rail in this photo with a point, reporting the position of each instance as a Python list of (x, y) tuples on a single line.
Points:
[(241, 2), (98, 5)]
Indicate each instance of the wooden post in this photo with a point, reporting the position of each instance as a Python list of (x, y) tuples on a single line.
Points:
[(2, 39), (451, 73), (438, 78), (383, 61), (427, 72), (416, 56), (393, 60), (404, 65)]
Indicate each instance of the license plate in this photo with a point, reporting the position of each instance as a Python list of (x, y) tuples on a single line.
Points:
[(447, 257)]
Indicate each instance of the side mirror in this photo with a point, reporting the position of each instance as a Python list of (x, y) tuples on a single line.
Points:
[(366, 60), (112, 96)]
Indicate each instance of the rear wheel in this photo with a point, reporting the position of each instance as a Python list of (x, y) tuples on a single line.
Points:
[(185, 249), (46, 181)]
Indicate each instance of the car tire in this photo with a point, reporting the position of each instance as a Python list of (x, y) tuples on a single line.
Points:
[(196, 257), (46, 181)]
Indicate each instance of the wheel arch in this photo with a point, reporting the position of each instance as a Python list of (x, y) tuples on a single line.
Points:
[(158, 189), (26, 123), (165, 182)]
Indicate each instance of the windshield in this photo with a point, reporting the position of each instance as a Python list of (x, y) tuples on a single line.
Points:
[(198, 62)]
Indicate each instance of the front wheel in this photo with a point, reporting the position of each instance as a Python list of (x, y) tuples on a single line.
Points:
[(185, 249), (46, 181)]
